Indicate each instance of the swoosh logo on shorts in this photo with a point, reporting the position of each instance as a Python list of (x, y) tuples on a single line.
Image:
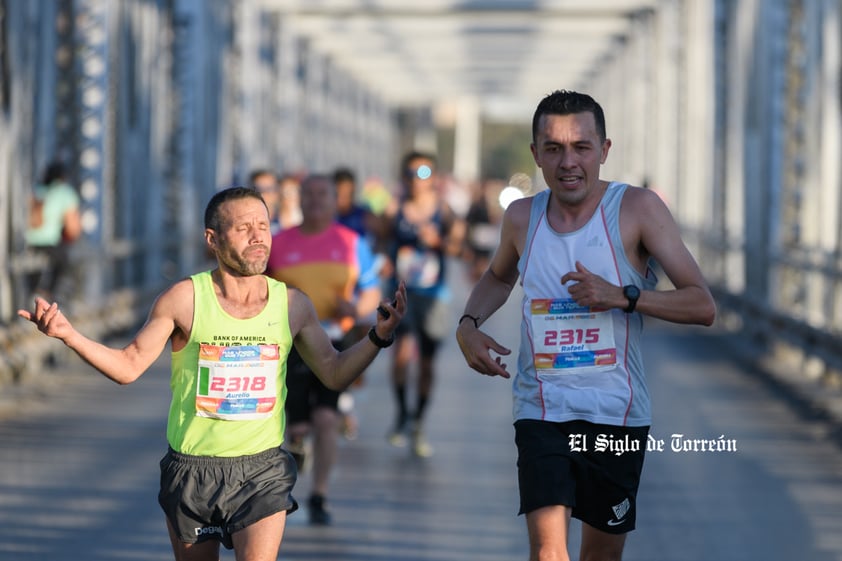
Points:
[(615, 522)]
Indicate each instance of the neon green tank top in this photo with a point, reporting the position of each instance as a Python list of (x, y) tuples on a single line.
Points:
[(229, 382)]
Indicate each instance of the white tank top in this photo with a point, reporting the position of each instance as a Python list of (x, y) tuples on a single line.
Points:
[(579, 363)]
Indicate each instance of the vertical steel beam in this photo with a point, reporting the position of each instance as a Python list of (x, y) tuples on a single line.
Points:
[(765, 24), (831, 146), (791, 279), (91, 31), (66, 117), (719, 242), (182, 177)]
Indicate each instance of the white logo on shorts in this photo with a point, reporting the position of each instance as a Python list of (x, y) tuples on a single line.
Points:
[(620, 512), (209, 530)]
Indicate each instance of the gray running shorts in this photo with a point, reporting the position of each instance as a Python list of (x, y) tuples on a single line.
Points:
[(209, 498)]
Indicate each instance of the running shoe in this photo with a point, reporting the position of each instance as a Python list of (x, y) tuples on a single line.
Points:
[(420, 446), (319, 516)]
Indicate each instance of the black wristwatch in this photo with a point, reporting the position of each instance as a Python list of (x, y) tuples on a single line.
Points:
[(632, 293), (375, 338)]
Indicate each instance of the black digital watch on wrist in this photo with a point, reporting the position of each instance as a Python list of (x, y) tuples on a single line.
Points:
[(632, 293)]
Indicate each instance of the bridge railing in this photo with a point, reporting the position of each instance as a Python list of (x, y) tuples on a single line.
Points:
[(122, 305)]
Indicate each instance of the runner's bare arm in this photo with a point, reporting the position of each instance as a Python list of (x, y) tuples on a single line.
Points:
[(337, 370), (491, 292), (691, 301), (120, 365)]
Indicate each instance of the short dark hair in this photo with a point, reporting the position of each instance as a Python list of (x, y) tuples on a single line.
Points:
[(344, 174), (55, 171), (212, 218), (416, 155), (566, 102)]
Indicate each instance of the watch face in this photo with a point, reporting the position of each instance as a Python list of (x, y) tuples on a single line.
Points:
[(631, 292)]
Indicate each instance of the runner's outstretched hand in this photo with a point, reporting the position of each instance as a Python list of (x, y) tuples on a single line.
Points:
[(49, 319), (476, 346)]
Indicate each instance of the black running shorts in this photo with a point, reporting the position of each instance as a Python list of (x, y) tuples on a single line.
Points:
[(594, 469), (208, 498)]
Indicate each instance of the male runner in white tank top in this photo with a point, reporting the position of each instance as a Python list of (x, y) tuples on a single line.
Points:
[(582, 252)]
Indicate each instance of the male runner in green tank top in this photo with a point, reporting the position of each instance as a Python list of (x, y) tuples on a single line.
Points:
[(225, 478)]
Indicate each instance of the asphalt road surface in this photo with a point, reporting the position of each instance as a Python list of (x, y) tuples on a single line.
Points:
[(79, 468)]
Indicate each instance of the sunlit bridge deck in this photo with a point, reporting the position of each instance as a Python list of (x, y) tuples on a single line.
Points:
[(78, 471)]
